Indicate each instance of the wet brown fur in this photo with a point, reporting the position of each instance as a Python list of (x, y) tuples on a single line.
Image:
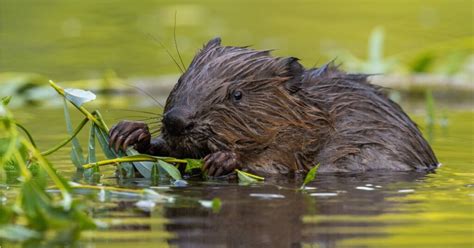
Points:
[(291, 118)]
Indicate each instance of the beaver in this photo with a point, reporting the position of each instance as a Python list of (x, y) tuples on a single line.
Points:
[(237, 107)]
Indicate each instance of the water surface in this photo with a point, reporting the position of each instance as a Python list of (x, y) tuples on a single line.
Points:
[(337, 210)]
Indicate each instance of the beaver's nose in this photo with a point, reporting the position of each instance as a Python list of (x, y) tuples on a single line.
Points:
[(176, 120)]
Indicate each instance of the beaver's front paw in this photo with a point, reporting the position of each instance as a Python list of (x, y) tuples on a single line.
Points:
[(220, 163), (128, 133)]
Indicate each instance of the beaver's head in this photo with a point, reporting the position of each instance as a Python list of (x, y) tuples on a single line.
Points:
[(230, 98)]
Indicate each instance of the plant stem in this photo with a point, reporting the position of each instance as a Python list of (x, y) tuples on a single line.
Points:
[(81, 186), (27, 133), (66, 141), (116, 161), (25, 173), (101, 119), (138, 158)]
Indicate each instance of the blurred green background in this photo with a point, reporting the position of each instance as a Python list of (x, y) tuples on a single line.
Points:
[(72, 39)]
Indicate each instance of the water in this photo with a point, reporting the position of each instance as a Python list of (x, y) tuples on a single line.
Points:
[(69, 40), (339, 210)]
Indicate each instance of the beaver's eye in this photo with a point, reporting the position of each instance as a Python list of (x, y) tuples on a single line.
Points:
[(237, 95)]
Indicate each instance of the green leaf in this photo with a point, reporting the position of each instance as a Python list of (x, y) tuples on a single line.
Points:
[(125, 169), (170, 169), (245, 177), (144, 168), (78, 96), (155, 175), (95, 175), (103, 140), (17, 233), (6, 100), (216, 205), (310, 176), (193, 164), (77, 156), (91, 158)]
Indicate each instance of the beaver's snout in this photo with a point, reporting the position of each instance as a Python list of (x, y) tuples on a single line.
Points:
[(177, 120)]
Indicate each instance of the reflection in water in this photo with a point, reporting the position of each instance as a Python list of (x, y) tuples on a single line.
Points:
[(257, 216)]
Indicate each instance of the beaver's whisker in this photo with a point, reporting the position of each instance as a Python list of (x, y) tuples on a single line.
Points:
[(166, 50), (146, 93), (148, 119), (138, 111), (176, 43), (140, 118)]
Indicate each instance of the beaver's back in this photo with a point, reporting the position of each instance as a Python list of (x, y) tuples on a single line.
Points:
[(368, 130)]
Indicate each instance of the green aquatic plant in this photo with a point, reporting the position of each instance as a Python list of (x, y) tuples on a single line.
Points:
[(35, 210), (99, 132), (150, 167)]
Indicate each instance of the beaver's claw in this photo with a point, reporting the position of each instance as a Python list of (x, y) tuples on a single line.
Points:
[(220, 163), (128, 133)]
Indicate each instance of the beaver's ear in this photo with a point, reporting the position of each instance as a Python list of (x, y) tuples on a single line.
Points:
[(213, 43), (294, 70)]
